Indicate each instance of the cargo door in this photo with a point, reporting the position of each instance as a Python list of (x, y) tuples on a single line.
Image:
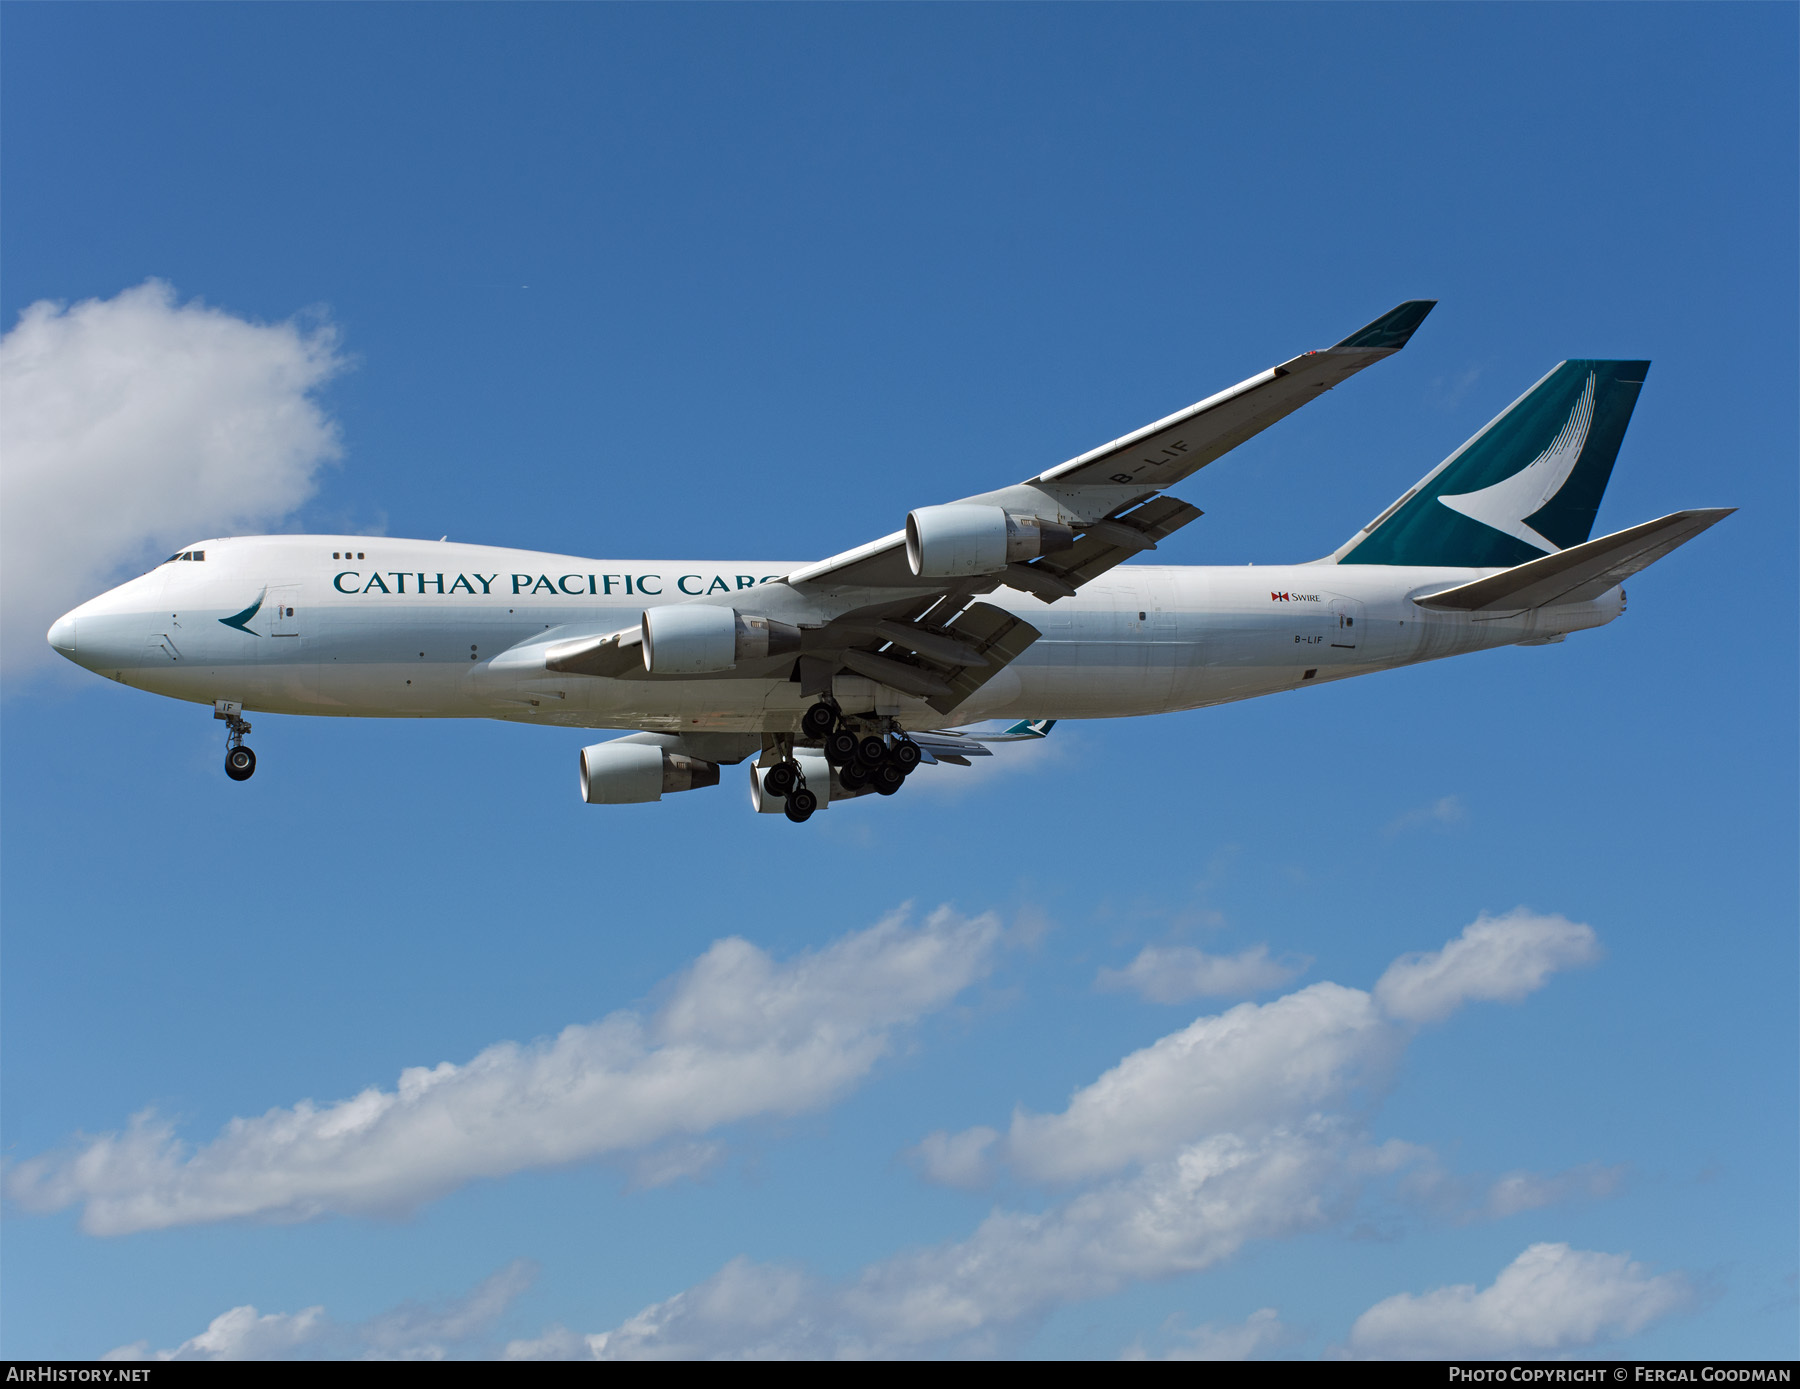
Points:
[(1349, 624), (283, 607)]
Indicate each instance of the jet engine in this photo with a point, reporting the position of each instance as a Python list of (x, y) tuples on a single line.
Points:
[(694, 639), (964, 538), (621, 773)]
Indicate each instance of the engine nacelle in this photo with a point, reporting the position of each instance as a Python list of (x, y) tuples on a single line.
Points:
[(966, 538), (694, 639), (624, 773)]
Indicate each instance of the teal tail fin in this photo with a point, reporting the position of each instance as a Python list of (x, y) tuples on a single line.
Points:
[(1527, 485)]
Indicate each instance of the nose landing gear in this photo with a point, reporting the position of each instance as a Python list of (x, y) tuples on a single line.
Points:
[(240, 761)]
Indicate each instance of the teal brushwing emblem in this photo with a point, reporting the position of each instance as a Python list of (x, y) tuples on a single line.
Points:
[(239, 619), (1529, 484)]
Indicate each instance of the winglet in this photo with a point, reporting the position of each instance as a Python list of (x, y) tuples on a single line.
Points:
[(1390, 332)]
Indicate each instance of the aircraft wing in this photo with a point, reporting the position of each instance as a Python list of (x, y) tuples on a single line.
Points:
[(931, 638), (940, 649), (1163, 453), (1105, 493)]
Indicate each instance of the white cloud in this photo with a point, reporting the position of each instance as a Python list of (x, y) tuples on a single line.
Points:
[(1176, 973), (556, 1343), (1463, 1198), (408, 1332), (1261, 1330), (1177, 1216), (1528, 1191), (1246, 1068), (1550, 1299), (1498, 957), (739, 1035), (1237, 1128), (133, 424), (677, 1162), (1230, 1130), (745, 1311), (240, 1334), (956, 1159), (1444, 811), (1261, 1064)]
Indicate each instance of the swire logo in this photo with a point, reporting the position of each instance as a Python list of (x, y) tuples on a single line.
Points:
[(1293, 597)]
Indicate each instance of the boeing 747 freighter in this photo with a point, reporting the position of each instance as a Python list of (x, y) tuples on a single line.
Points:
[(836, 677)]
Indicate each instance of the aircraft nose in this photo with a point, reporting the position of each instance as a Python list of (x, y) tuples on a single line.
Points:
[(62, 634)]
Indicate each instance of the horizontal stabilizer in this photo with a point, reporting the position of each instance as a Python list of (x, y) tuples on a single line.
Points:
[(1579, 573)]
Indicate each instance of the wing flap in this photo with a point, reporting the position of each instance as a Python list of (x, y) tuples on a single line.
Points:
[(1113, 542), (940, 650), (1580, 572), (998, 636)]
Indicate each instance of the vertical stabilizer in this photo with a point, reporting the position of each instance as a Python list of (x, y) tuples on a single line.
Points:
[(1527, 485)]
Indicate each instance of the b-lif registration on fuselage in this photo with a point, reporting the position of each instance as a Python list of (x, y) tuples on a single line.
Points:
[(981, 621)]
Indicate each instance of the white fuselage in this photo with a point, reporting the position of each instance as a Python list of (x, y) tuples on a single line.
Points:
[(420, 629)]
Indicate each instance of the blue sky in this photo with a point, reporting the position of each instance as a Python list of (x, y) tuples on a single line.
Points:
[(750, 283)]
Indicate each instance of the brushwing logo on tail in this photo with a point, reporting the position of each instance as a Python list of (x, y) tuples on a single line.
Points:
[(1506, 504)]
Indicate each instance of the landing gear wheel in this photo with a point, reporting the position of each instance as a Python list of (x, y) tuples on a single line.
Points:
[(841, 747), (872, 751), (240, 763), (798, 816), (781, 778), (801, 804), (887, 778), (906, 754), (853, 777), (819, 720), (886, 788)]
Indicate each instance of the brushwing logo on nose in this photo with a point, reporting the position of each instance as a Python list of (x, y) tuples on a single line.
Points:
[(1506, 504), (239, 619)]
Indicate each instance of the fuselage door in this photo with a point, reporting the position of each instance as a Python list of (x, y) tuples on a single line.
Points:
[(1348, 624), (282, 605)]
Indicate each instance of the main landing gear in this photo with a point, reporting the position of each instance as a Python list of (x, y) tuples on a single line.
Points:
[(866, 753), (786, 780), (875, 761), (240, 761)]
